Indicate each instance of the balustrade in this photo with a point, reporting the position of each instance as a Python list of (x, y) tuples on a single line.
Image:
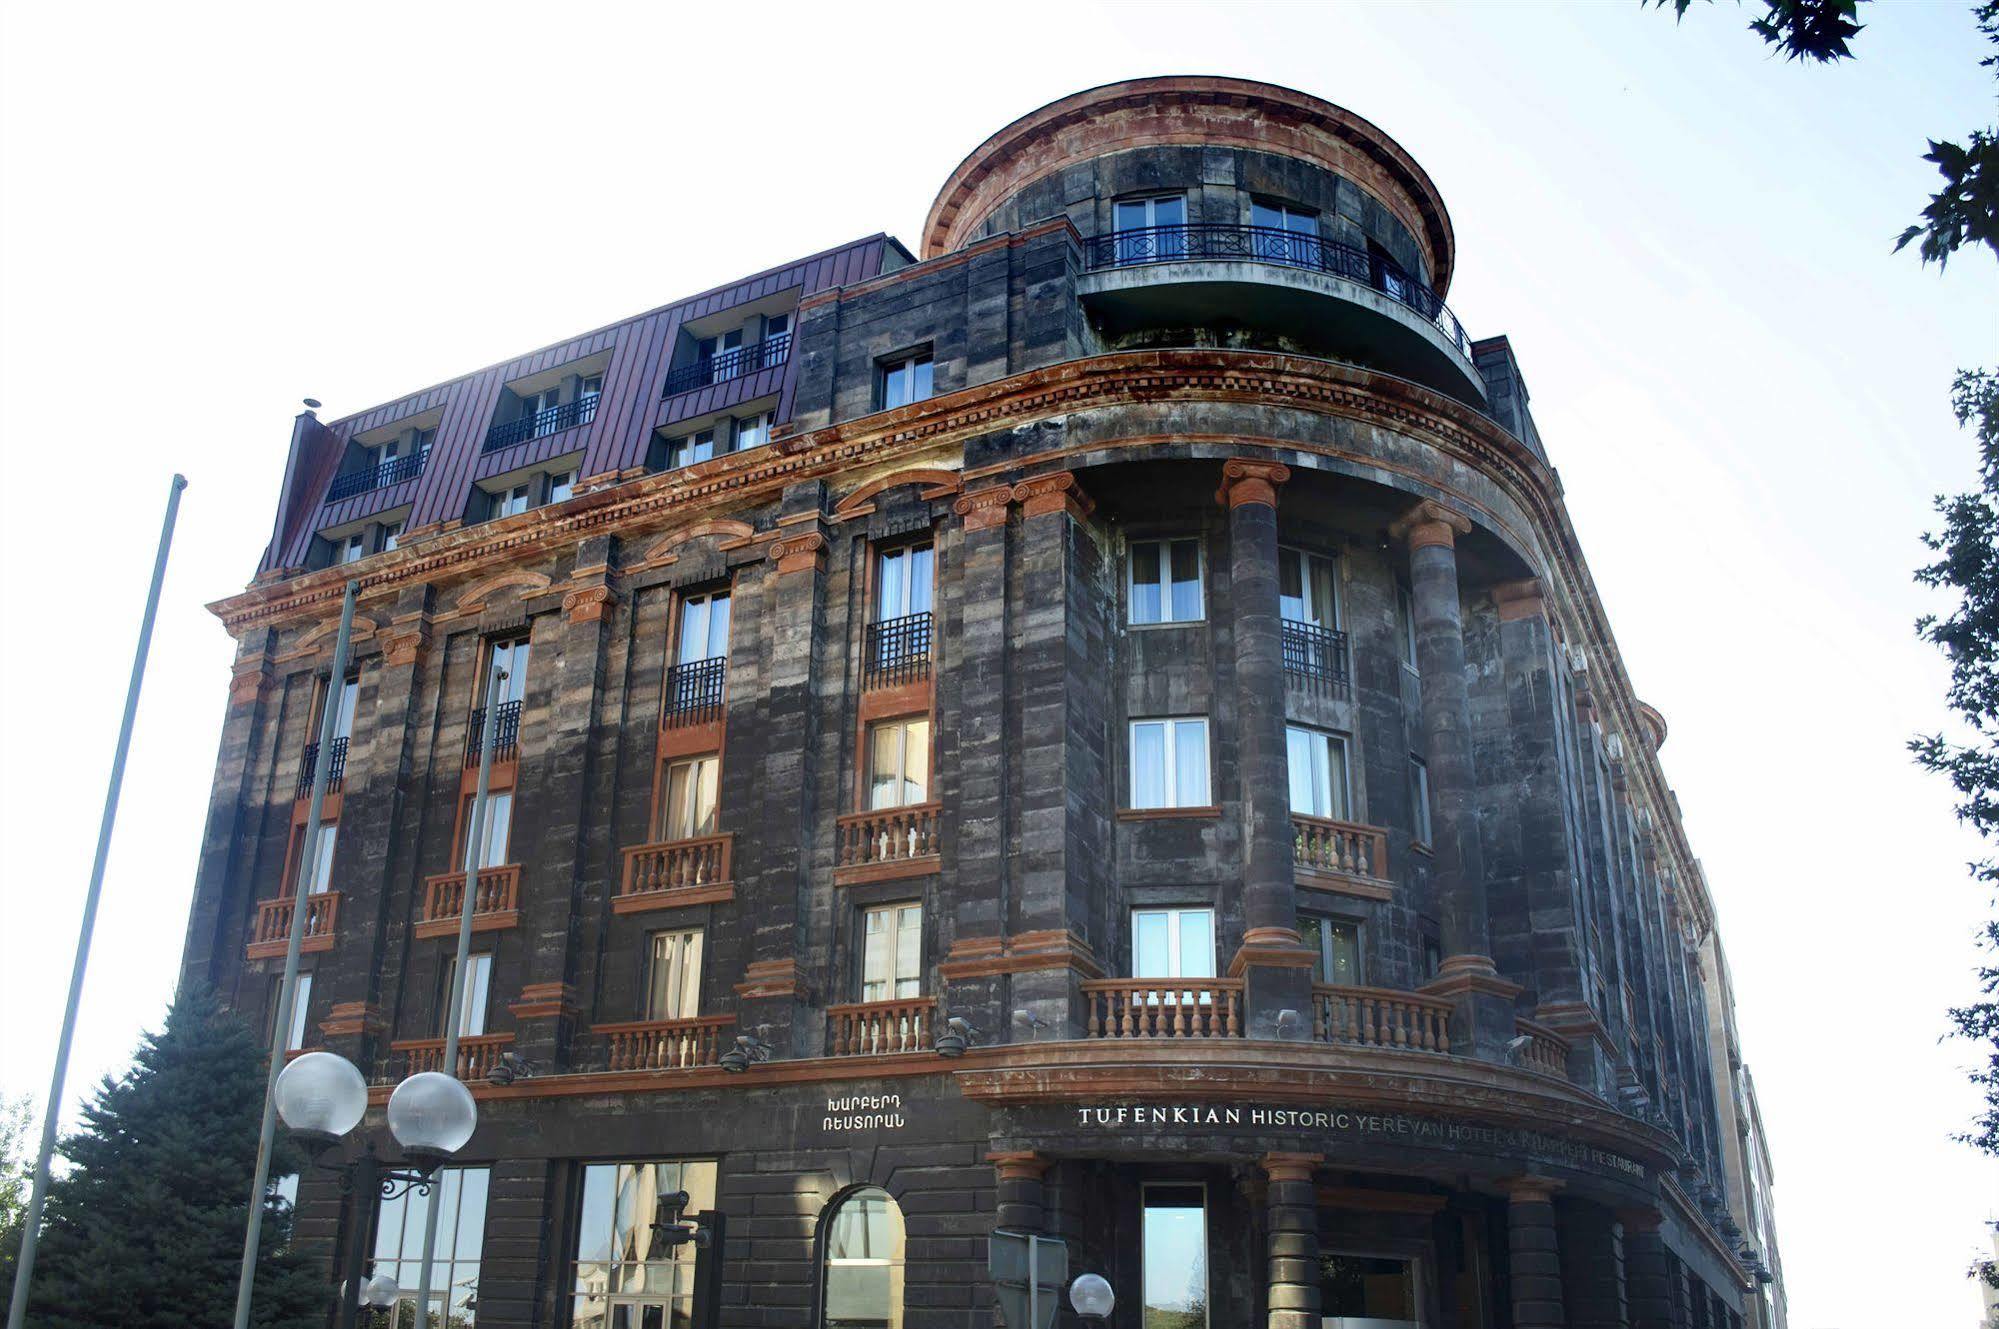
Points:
[(270, 932), (1380, 1017), (477, 1054), (675, 865), (871, 1027), (887, 837), (1164, 1007), (664, 1045), (495, 900), (1345, 848)]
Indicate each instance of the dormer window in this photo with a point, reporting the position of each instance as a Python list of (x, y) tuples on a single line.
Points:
[(752, 431), (354, 548)]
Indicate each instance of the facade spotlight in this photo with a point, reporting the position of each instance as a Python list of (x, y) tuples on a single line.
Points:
[(749, 1050), (957, 1036), (1028, 1020), (510, 1067), (1288, 1023), (1092, 1297)]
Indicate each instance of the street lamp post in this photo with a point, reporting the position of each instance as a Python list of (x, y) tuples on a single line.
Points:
[(321, 1098)]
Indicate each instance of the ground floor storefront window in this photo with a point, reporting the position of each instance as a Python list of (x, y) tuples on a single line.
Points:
[(1175, 1256), (864, 1262), (1368, 1292), (624, 1279), (460, 1194)]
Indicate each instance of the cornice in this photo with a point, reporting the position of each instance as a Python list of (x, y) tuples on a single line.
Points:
[(908, 433)]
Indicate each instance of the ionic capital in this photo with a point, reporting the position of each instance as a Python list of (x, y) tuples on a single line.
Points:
[(1019, 1165), (799, 553), (985, 508), (1519, 599), (1430, 523), (1047, 494), (1289, 1167), (588, 604), (1251, 482), (1531, 1190)]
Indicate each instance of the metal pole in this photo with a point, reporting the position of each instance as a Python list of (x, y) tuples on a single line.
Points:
[(31, 1225), (322, 764), (475, 847), (364, 1176)]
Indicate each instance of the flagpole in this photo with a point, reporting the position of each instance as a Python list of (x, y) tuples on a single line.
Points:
[(281, 1025), (31, 1225)]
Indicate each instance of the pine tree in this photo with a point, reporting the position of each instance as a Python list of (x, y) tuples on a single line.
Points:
[(145, 1228)]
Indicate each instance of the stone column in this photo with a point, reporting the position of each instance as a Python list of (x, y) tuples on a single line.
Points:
[(1021, 1206), (1646, 1277), (1482, 1022), (773, 989), (1291, 1209), (1534, 1260), (1593, 1267), (1272, 961)]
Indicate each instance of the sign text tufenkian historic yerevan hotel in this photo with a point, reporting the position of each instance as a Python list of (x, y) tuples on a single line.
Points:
[(1093, 723)]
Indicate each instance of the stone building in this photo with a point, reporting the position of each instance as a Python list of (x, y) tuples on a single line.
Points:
[(1141, 625)]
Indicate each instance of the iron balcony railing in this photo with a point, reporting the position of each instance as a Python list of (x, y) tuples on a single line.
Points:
[(336, 771), (694, 691), (1269, 244), (542, 423), (772, 350), (898, 651), (1316, 655), (379, 476), (506, 733)]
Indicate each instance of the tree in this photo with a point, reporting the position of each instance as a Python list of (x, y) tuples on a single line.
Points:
[(145, 1228), (17, 1167), (1966, 210)]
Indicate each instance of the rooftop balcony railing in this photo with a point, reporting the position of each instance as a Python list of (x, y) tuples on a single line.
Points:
[(1204, 242), (379, 476), (773, 350), (506, 733), (897, 651), (694, 692), (542, 423), (336, 773), (1316, 657)]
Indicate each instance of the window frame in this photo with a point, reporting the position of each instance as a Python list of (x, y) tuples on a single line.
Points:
[(1207, 1268), (676, 1301), (904, 556), (901, 773), (893, 911), (1422, 827), (1170, 769), (707, 600), (1166, 583), (685, 972), (477, 999), (1306, 560), (1405, 613), (915, 359), (897, 1264), (1330, 742), (1322, 960), (701, 767), (1175, 941), (450, 1259)]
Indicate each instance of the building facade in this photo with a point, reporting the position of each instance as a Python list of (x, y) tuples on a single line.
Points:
[(1112, 701)]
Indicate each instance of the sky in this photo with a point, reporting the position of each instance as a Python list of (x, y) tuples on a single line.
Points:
[(225, 209)]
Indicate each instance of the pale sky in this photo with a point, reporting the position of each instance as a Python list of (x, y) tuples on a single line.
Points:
[(209, 212)]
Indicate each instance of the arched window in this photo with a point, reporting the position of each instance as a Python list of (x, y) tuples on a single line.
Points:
[(863, 1262)]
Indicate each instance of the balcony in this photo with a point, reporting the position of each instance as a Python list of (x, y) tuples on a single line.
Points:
[(477, 1054), (1545, 1051), (897, 652), (270, 933), (336, 771), (886, 843), (1315, 658), (664, 1045), (694, 692), (874, 1028), (542, 423), (1380, 1017), (495, 901), (1341, 855), (379, 476), (1164, 1007), (506, 733), (766, 354), (673, 873), (1350, 304)]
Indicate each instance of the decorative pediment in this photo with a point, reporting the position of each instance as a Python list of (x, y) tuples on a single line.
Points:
[(732, 533), (936, 484), (474, 597)]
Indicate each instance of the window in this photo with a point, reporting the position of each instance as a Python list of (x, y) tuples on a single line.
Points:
[(707, 348), (301, 998), (354, 548), (752, 431), (1433, 957), (904, 381), (1387, 273), (460, 1193), (1149, 229), (473, 1001), (1175, 1252), (898, 763), (492, 851), (1335, 944), (540, 408), (1285, 234), (864, 1254), (1372, 1290), (321, 863), (1173, 943), (1318, 763), (513, 501), (903, 581), (590, 386), (673, 975), (624, 1281), (776, 325), (892, 952), (561, 485), (704, 627), (1165, 581), (1307, 589), (1169, 763), (690, 448), (690, 798), (1419, 798), (392, 535), (1405, 622), (510, 658)]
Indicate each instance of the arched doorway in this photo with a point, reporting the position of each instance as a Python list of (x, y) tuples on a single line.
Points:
[(861, 1286)]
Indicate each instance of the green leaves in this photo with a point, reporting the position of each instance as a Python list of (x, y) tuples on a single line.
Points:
[(1966, 210)]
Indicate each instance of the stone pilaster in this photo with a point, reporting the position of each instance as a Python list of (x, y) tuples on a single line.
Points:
[(1593, 1267), (213, 949), (1482, 1019), (1021, 1201), (1647, 1278), (1534, 1262), (1274, 964), (1291, 1211)]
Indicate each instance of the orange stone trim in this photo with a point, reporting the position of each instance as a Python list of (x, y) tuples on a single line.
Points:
[(1462, 975), (401, 648), (1047, 494), (1289, 1167), (799, 553), (588, 604), (1531, 1190), (1025, 952), (769, 978), (249, 683), (1251, 482), (541, 1001), (1019, 1165), (473, 598), (353, 1017), (936, 484), (1519, 599), (1270, 948), (1430, 523), (985, 508)]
